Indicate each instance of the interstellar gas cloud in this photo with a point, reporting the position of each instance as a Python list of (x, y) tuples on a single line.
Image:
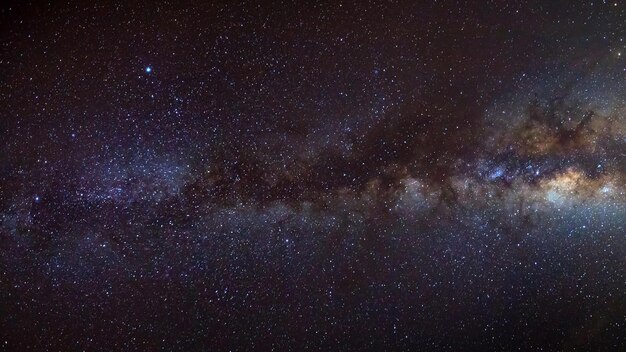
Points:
[(389, 175)]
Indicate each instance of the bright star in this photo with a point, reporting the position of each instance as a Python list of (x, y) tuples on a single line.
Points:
[(148, 69)]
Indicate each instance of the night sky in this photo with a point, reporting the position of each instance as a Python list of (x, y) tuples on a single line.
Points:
[(419, 175)]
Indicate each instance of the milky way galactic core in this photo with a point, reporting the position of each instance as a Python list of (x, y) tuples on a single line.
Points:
[(389, 175)]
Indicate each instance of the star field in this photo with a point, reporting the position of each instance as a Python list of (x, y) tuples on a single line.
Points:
[(368, 175)]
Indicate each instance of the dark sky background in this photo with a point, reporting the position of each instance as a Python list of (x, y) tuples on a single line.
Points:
[(415, 175)]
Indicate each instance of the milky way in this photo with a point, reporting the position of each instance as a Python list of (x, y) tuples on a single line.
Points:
[(331, 176)]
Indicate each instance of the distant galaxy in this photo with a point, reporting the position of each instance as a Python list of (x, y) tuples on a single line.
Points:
[(324, 176)]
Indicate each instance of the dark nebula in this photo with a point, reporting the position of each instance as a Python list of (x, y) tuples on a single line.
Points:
[(419, 175)]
